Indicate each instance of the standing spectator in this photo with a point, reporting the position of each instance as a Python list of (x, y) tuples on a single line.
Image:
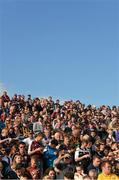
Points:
[(50, 153)]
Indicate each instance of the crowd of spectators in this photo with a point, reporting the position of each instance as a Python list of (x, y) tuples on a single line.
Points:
[(43, 139)]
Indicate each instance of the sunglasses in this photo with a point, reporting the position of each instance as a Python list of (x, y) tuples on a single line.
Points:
[(21, 146)]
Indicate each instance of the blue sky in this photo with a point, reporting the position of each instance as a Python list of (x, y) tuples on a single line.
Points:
[(66, 49)]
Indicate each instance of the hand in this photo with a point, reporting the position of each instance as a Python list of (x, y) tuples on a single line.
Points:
[(87, 155), (10, 139), (38, 149)]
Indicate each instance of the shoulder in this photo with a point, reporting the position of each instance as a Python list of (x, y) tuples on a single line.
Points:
[(101, 176), (114, 176)]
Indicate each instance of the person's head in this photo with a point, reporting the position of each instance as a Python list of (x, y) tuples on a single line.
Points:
[(47, 132), (39, 136), (33, 161), (84, 144), (62, 149), (22, 147), (68, 176), (79, 169), (25, 176), (109, 141), (17, 159), (58, 136), (66, 140), (5, 93), (19, 169), (102, 146), (35, 174), (36, 114), (106, 167), (96, 161), (4, 132), (114, 146), (86, 178), (46, 177), (51, 172), (93, 133), (3, 150), (31, 134), (76, 132), (110, 156), (54, 143), (93, 174), (86, 137)]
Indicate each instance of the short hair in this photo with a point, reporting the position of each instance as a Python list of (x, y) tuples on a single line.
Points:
[(96, 157), (26, 175), (86, 177), (79, 165), (69, 175), (39, 134), (103, 163), (46, 177), (22, 143), (54, 141)]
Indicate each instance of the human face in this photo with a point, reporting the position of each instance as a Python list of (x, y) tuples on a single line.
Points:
[(107, 169), (18, 159), (93, 174), (76, 133), (102, 147), (79, 170), (66, 140), (52, 174), (33, 163), (57, 136), (96, 162), (21, 148), (110, 156), (3, 151)]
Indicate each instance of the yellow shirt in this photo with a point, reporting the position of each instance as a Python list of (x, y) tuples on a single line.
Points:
[(103, 176)]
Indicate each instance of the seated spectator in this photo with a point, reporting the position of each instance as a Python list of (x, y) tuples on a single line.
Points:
[(93, 174), (68, 175), (106, 172), (25, 176), (19, 170), (50, 172), (63, 163), (33, 169), (79, 174), (82, 155), (50, 153), (17, 159)]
